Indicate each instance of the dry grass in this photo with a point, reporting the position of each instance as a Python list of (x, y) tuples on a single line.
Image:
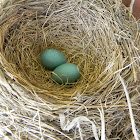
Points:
[(100, 37)]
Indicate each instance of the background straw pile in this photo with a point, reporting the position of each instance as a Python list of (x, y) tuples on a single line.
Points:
[(102, 38)]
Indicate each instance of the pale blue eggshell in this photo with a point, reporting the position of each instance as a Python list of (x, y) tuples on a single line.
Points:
[(66, 73), (52, 58)]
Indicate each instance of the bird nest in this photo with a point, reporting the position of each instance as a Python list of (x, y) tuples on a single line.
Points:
[(99, 37)]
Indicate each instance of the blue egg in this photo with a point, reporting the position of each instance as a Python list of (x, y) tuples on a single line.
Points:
[(52, 58), (66, 73)]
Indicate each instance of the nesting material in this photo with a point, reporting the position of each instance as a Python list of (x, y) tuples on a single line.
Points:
[(101, 38)]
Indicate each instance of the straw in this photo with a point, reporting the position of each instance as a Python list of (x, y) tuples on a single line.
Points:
[(101, 38)]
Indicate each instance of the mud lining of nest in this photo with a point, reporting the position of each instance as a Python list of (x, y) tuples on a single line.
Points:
[(99, 37)]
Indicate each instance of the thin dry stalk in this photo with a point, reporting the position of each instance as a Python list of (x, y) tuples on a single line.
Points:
[(130, 110)]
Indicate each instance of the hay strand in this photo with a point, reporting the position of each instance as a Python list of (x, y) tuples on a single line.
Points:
[(103, 123), (130, 110), (131, 6)]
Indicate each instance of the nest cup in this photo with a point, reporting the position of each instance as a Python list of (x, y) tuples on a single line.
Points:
[(97, 36), (31, 31)]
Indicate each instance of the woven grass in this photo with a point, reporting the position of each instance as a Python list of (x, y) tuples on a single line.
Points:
[(101, 37)]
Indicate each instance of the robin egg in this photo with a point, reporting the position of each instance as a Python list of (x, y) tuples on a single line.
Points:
[(52, 58), (66, 73)]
